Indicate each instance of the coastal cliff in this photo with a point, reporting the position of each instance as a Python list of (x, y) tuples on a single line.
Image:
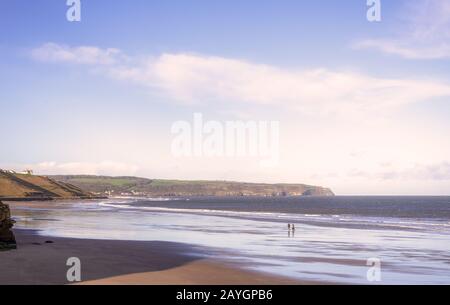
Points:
[(16, 186), (133, 186), (7, 240)]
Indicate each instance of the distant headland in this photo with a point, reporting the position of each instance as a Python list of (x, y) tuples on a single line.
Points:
[(26, 186), (134, 186)]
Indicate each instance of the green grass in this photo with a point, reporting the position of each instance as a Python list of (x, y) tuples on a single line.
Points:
[(119, 182), (181, 182), (100, 184)]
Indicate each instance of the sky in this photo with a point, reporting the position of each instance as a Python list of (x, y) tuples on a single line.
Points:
[(362, 106)]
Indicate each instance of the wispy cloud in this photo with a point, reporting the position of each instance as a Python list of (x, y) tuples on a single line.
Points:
[(52, 52), (407, 50), (191, 78), (426, 34), (423, 172)]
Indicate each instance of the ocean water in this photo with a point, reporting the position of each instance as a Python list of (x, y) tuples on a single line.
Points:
[(334, 239)]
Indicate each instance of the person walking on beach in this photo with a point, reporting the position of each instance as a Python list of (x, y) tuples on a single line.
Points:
[(291, 230)]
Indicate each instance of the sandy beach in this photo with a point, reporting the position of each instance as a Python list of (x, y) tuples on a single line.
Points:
[(42, 260)]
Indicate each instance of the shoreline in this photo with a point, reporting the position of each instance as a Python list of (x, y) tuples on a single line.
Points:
[(43, 199), (42, 260)]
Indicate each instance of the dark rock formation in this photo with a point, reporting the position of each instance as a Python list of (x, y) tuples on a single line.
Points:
[(7, 239), (318, 191)]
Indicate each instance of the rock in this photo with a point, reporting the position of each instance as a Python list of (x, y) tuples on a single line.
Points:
[(318, 191), (7, 239)]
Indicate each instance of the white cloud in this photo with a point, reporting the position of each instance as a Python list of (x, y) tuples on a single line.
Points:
[(406, 50), (81, 168), (203, 78), (51, 52), (210, 79), (426, 34)]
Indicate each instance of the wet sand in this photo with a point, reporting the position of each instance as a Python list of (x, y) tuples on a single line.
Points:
[(120, 263)]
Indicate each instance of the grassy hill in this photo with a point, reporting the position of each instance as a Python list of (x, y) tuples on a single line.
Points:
[(151, 187), (25, 186)]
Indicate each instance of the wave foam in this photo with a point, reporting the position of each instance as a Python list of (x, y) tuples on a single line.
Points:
[(355, 220)]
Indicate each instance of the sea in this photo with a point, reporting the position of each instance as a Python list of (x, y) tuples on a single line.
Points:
[(339, 240)]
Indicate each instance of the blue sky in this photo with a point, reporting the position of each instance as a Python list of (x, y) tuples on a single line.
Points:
[(375, 121)]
